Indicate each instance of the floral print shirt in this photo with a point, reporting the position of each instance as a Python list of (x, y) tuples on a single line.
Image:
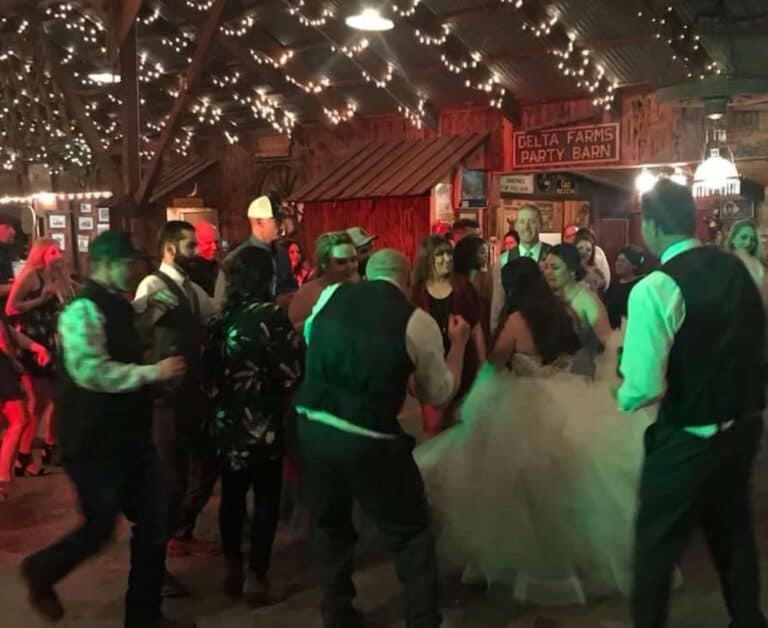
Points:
[(254, 360)]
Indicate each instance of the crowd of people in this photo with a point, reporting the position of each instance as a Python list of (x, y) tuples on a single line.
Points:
[(274, 376)]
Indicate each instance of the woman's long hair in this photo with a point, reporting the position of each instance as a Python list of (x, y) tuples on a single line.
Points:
[(584, 235), (757, 249), (425, 259), (58, 274), (466, 255), (249, 276), (570, 256), (526, 291)]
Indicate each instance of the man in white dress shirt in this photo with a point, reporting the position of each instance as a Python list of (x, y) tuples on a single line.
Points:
[(528, 226), (180, 409), (365, 340), (694, 345)]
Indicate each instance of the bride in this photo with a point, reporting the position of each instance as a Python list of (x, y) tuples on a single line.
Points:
[(535, 487)]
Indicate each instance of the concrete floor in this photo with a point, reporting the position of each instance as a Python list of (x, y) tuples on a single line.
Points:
[(43, 508)]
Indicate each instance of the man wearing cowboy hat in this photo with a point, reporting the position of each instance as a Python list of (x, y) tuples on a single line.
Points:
[(363, 242)]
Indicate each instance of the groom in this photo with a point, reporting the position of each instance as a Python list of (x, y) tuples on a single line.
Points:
[(693, 343)]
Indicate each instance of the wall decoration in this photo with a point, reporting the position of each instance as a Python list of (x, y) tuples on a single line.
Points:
[(61, 240), (738, 209), (472, 188), (86, 208), (442, 202), (82, 243), (516, 184), (57, 221), (551, 215), (101, 227), (103, 214), (85, 223), (567, 146)]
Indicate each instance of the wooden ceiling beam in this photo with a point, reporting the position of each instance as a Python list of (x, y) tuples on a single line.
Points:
[(129, 9), (205, 39)]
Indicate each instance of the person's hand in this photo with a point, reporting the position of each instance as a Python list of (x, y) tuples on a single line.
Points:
[(170, 368), (458, 330), (42, 357), (163, 299)]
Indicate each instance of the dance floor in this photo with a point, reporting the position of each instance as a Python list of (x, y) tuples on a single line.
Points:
[(43, 509)]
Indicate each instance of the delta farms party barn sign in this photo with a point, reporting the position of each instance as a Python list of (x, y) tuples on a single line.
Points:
[(568, 146)]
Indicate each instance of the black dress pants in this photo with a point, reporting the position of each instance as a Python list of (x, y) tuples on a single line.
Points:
[(189, 457), (265, 480), (689, 481), (132, 484), (338, 469)]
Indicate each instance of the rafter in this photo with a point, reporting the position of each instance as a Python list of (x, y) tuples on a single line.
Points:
[(129, 9), (205, 38)]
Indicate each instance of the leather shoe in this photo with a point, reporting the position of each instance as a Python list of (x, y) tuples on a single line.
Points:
[(42, 597)]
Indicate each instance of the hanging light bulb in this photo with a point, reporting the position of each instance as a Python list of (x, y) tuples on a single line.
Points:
[(715, 176), (679, 177), (369, 20), (645, 181)]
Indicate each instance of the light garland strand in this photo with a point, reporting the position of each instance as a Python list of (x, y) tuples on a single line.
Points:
[(337, 116), (321, 20)]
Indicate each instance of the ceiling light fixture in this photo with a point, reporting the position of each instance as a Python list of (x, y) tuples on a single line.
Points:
[(369, 20), (645, 181), (104, 78)]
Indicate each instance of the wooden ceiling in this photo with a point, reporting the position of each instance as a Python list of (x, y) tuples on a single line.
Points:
[(281, 63)]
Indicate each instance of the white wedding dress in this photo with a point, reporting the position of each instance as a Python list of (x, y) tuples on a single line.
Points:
[(536, 486)]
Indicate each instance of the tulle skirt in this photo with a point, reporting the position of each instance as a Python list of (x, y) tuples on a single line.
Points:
[(536, 487)]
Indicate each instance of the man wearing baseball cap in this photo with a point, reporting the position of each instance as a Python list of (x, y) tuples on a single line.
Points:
[(105, 419), (265, 217), (363, 242)]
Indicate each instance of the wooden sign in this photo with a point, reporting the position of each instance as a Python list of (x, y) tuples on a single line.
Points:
[(569, 146), (516, 184)]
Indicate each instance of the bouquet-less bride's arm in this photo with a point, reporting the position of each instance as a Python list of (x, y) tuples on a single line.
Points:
[(506, 343)]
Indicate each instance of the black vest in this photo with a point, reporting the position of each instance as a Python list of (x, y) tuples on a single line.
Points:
[(715, 369), (93, 425), (357, 364)]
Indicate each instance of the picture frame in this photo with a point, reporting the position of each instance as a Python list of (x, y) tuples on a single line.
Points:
[(60, 239), (85, 223), (86, 208), (101, 228), (83, 242), (57, 221), (103, 214)]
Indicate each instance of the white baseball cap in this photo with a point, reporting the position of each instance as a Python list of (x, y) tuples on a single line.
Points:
[(360, 237), (261, 207)]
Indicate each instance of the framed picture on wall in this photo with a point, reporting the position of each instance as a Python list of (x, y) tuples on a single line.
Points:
[(86, 208), (738, 209), (82, 243), (473, 192), (85, 223), (101, 228), (103, 214), (57, 221), (61, 240)]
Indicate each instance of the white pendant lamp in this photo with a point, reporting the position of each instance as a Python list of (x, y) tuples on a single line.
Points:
[(645, 181), (716, 176), (369, 20)]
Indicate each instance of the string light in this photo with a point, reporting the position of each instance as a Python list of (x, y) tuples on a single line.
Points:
[(226, 80), (402, 11), (61, 196), (263, 107), (240, 28), (542, 28), (352, 51), (415, 117), (337, 116), (379, 82), (206, 112), (183, 142), (278, 63), (178, 42), (320, 20), (428, 40), (147, 17), (200, 5)]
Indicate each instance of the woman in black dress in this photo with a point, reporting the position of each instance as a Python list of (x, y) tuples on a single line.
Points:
[(630, 268), (255, 359), (36, 298)]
